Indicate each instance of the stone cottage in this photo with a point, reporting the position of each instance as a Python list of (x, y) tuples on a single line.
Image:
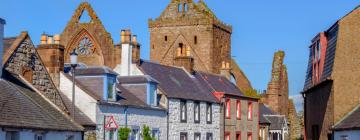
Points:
[(31, 105), (331, 88)]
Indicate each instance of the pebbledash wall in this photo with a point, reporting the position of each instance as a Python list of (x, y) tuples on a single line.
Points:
[(25, 134), (190, 127), (156, 119)]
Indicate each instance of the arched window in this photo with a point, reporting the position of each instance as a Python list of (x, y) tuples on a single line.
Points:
[(179, 7), (27, 73), (186, 7)]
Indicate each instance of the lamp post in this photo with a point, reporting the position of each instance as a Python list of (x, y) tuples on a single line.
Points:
[(73, 62)]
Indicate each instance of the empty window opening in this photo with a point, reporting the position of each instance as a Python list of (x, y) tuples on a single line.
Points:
[(186, 7), (179, 7), (166, 38), (195, 40), (84, 17)]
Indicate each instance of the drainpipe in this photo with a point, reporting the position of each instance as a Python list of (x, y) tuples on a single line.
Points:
[(126, 115), (222, 102)]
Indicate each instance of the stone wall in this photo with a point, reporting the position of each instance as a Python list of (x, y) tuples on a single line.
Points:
[(294, 121), (137, 117), (26, 62), (175, 126), (346, 69)]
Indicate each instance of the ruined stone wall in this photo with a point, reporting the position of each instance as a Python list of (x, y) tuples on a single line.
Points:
[(294, 121), (277, 94), (102, 52)]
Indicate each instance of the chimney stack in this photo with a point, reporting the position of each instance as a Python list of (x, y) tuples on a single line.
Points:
[(57, 39), (43, 38), (225, 70), (136, 50), (52, 54), (2, 23), (126, 52)]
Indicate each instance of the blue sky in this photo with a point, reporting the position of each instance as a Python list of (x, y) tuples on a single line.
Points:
[(260, 27)]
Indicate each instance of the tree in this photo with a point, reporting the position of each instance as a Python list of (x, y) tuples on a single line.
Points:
[(252, 93), (123, 133), (146, 133)]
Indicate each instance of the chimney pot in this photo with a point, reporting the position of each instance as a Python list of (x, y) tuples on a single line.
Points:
[(43, 39), (50, 40), (134, 39), (57, 39), (122, 35)]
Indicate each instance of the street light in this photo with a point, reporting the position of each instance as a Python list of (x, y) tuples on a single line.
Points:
[(73, 62)]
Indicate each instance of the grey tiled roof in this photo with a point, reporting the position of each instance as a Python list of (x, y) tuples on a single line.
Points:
[(351, 121), (125, 97), (136, 79), (277, 121), (22, 107), (217, 83), (94, 70), (176, 82), (264, 110), (8, 41)]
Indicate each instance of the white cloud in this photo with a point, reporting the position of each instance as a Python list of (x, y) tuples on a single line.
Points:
[(298, 102)]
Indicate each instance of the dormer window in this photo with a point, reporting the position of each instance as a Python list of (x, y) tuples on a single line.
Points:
[(111, 89), (152, 96)]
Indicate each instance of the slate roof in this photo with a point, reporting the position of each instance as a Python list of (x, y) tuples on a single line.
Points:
[(22, 107), (175, 82), (124, 96), (7, 43), (264, 110), (351, 121), (217, 83), (94, 70), (136, 79), (277, 121)]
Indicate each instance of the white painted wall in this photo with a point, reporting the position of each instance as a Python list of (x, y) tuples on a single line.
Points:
[(136, 118), (134, 70), (29, 134), (126, 56), (83, 101), (175, 126), (350, 134)]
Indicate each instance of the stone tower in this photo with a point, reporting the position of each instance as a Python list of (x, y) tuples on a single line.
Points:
[(187, 32), (277, 94)]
